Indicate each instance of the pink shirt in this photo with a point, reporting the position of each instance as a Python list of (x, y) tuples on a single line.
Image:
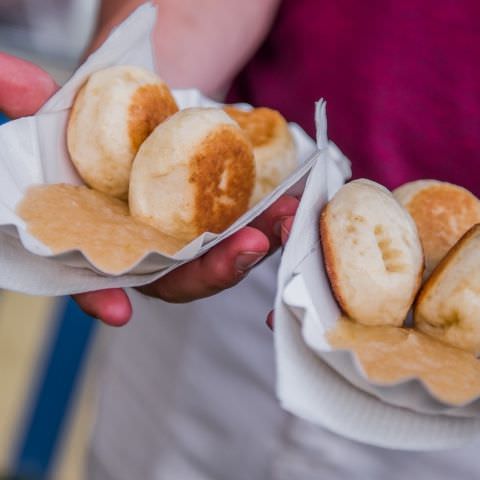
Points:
[(401, 78)]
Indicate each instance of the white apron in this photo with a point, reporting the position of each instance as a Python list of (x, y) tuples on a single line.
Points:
[(188, 394)]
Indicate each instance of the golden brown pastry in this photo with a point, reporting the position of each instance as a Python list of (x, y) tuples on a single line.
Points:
[(372, 253), (195, 173), (442, 211), (112, 114), (448, 306), (273, 147)]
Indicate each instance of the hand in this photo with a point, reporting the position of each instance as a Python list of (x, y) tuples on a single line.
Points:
[(285, 233), (23, 89), (220, 268)]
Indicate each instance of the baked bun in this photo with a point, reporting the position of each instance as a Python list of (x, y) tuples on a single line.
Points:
[(113, 113), (448, 307), (273, 147), (372, 253), (442, 211), (195, 173)]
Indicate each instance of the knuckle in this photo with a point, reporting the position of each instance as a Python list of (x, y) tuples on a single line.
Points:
[(161, 291), (224, 276)]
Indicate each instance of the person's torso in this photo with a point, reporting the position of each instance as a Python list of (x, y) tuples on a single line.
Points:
[(189, 389), (402, 82)]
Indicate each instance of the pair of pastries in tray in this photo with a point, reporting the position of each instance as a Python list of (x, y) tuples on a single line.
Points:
[(376, 244), (184, 172)]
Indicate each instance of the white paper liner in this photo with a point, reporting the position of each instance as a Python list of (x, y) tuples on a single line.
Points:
[(34, 152), (328, 387)]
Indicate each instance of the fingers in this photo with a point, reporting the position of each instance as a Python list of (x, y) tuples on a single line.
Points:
[(227, 263), (220, 268), (112, 306), (269, 320), (24, 87), (285, 229), (271, 221)]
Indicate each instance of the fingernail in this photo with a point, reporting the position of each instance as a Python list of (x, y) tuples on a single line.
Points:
[(284, 235), (285, 229), (278, 226), (269, 321), (247, 260)]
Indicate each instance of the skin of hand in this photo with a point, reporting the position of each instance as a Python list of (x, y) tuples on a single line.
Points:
[(24, 87), (198, 44), (284, 234)]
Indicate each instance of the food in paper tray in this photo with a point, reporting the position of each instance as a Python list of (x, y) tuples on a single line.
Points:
[(374, 276), (442, 211), (273, 147), (184, 172)]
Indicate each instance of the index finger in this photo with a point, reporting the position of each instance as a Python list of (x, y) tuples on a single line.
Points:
[(24, 87)]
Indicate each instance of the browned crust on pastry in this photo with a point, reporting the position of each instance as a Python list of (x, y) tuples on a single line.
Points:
[(222, 172), (259, 124), (449, 258), (433, 208), (329, 260), (150, 105)]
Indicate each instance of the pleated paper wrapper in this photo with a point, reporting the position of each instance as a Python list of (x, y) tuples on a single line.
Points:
[(329, 387)]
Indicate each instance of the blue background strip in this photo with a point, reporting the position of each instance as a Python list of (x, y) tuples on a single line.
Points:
[(51, 403)]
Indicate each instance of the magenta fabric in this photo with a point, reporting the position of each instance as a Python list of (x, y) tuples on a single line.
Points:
[(401, 78)]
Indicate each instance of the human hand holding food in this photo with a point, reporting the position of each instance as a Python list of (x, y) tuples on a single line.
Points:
[(221, 268)]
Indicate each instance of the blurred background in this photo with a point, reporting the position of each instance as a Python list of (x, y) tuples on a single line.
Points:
[(49, 349)]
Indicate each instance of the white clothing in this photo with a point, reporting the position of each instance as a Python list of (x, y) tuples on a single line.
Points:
[(189, 394)]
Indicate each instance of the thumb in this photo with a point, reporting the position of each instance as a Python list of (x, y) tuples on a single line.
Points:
[(24, 87)]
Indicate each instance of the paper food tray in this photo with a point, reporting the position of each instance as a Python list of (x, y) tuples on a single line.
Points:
[(328, 387), (34, 152)]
